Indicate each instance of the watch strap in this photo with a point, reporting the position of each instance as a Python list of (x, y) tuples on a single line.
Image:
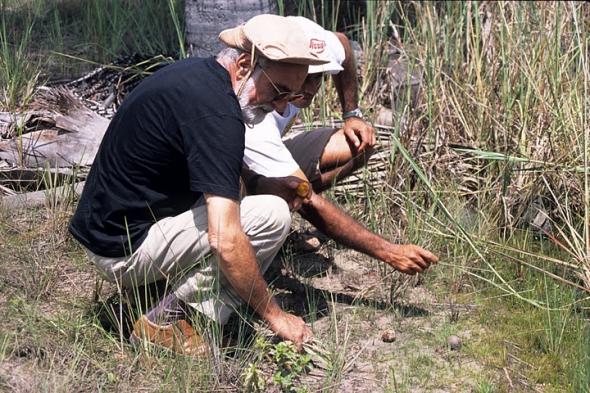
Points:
[(356, 112)]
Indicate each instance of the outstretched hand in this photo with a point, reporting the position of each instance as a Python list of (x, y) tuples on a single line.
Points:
[(359, 134), (408, 258)]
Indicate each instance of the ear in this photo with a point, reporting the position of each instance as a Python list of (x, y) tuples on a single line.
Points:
[(243, 66)]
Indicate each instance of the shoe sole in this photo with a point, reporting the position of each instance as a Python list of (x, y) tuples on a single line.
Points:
[(139, 344)]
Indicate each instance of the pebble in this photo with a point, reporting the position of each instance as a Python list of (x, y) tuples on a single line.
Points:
[(388, 336), (454, 343)]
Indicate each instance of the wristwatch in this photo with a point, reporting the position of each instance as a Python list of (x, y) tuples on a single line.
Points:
[(353, 113)]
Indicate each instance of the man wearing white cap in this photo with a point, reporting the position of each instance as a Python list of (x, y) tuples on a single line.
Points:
[(323, 156), (163, 191)]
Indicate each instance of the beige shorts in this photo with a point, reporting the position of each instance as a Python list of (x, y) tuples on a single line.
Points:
[(177, 249)]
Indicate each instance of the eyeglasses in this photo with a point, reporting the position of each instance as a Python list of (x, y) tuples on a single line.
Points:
[(282, 95)]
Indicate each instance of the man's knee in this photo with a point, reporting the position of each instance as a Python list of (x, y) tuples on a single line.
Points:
[(339, 152), (266, 213), (336, 152), (279, 215)]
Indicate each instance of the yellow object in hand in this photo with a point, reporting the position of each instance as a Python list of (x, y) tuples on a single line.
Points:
[(303, 189)]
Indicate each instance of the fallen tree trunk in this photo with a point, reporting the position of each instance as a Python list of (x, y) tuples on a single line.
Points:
[(49, 197), (59, 131)]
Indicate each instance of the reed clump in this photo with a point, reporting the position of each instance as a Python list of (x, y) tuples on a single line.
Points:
[(501, 121)]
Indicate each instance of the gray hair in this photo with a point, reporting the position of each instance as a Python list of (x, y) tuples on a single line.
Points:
[(229, 55)]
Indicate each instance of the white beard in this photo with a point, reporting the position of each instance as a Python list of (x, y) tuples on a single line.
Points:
[(252, 114)]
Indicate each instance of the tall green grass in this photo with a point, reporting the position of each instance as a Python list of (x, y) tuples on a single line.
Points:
[(35, 35), (18, 72), (505, 82)]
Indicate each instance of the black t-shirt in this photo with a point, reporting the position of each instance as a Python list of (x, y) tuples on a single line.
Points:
[(177, 135)]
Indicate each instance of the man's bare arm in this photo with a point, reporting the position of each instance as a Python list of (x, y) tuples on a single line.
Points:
[(338, 225), (237, 262), (345, 81), (361, 134)]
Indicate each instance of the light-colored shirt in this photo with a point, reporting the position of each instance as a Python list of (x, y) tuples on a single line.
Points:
[(265, 152)]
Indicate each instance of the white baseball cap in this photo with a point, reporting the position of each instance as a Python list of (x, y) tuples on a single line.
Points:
[(324, 43)]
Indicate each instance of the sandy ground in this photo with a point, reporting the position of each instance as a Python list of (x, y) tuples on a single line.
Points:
[(353, 303)]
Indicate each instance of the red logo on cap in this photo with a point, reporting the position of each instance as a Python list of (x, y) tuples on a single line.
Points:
[(317, 46)]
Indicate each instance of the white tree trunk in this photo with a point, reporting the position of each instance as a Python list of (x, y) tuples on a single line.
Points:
[(205, 19)]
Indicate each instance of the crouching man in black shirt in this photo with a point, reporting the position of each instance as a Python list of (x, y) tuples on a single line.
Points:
[(163, 192)]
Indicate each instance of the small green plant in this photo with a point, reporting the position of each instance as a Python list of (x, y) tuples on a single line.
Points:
[(484, 386), (289, 363), (253, 378), (579, 372), (4, 347), (395, 386)]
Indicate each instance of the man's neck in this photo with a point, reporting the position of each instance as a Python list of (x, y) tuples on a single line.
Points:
[(231, 68)]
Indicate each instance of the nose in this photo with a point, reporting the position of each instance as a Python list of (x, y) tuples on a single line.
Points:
[(280, 105)]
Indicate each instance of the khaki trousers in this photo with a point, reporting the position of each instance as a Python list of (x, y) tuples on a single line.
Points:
[(177, 249)]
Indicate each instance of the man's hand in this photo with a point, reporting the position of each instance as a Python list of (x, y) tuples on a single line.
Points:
[(291, 327), (408, 258), (291, 188), (360, 134)]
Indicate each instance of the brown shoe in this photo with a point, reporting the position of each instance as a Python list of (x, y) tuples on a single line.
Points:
[(178, 336)]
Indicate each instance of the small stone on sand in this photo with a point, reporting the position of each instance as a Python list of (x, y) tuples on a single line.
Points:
[(388, 336), (454, 343)]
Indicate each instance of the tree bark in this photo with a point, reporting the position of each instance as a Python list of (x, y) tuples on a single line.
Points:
[(205, 19)]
